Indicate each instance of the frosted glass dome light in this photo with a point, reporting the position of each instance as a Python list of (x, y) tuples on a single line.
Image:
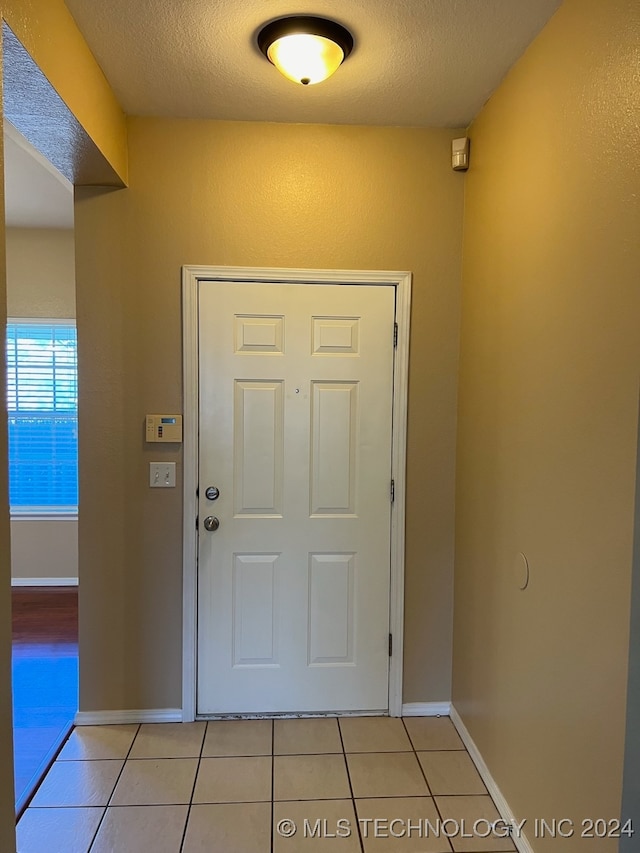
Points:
[(305, 49)]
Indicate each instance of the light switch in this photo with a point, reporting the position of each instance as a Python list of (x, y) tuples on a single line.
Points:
[(162, 475)]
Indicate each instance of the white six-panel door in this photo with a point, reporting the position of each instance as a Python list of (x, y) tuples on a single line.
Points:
[(296, 386)]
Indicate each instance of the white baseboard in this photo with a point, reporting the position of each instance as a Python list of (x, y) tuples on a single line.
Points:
[(520, 840), (112, 718), (426, 709), (44, 581)]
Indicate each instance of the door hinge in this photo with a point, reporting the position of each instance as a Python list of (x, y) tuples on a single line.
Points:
[(197, 522), (390, 644), (395, 335), (393, 491)]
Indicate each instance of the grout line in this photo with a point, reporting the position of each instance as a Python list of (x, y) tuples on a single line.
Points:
[(420, 767), (390, 751), (193, 789), (377, 751), (172, 757), (353, 799), (387, 797), (257, 755), (307, 754), (437, 749), (404, 725), (249, 802), (133, 740), (273, 785), (433, 798)]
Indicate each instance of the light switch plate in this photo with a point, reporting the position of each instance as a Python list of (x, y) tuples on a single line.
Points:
[(162, 475)]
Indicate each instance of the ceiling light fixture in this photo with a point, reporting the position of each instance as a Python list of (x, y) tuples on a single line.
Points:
[(305, 49)]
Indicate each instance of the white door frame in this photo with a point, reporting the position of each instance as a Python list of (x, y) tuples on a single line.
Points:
[(191, 276)]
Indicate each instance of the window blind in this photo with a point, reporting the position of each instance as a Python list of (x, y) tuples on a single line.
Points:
[(42, 401)]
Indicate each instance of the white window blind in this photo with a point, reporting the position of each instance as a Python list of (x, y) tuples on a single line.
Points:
[(42, 400)]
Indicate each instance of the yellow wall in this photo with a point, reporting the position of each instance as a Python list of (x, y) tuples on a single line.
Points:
[(50, 35), (256, 195), (550, 350)]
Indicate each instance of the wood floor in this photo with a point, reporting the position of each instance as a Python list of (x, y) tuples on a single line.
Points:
[(45, 679)]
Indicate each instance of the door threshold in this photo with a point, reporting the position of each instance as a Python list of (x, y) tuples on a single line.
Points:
[(289, 715)]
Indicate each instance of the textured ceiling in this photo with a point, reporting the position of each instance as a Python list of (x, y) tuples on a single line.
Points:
[(36, 194), (415, 62)]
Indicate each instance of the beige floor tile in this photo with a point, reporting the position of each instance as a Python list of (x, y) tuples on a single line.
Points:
[(140, 829), (229, 827), (72, 829), (233, 780), (306, 737), (386, 774), (168, 740), (310, 777), (78, 783), (237, 737), (433, 733), (316, 823), (374, 734), (401, 826), (474, 815), (149, 782), (451, 772), (91, 742)]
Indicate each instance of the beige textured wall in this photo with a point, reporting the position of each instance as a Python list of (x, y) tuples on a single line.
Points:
[(550, 352), (7, 811), (631, 786), (49, 33), (41, 273), (256, 195), (43, 549), (41, 282)]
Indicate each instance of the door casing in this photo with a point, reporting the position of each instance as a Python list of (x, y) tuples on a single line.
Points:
[(191, 276)]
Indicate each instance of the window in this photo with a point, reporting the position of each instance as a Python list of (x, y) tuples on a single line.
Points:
[(42, 400)]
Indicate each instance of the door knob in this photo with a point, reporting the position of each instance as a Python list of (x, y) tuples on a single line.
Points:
[(211, 523)]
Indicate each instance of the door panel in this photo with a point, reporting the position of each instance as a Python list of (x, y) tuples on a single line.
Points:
[(334, 414), (331, 608), (254, 609), (295, 420), (258, 448)]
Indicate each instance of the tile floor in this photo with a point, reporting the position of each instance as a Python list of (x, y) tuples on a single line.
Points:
[(350, 785)]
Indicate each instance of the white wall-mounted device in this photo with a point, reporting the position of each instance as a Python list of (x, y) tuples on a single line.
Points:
[(164, 428), (460, 154)]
